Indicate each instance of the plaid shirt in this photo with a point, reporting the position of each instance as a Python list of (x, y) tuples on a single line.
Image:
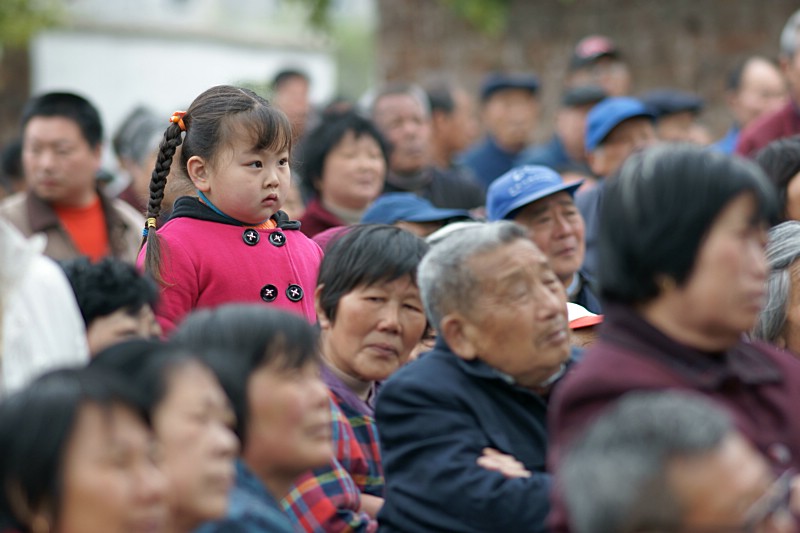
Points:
[(328, 499)]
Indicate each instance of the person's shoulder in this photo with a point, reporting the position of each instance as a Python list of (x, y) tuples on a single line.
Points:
[(127, 212), (549, 154), (762, 130), (14, 204)]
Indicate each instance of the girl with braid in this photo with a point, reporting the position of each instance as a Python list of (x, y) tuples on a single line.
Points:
[(230, 242)]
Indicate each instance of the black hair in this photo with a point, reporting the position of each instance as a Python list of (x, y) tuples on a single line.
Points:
[(109, 285), (67, 105), (365, 255), (328, 134), (657, 212), (780, 160), (287, 74), (236, 340), (11, 162), (210, 124), (440, 97), (36, 425)]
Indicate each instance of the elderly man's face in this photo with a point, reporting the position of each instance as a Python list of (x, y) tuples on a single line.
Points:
[(518, 324), (729, 489), (511, 116), (404, 122), (629, 136)]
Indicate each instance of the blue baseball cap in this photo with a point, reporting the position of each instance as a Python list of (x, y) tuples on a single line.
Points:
[(609, 114), (521, 186), (408, 207)]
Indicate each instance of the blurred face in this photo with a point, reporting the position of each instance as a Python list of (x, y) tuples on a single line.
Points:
[(519, 325), (376, 328), (353, 172), (59, 165), (111, 482), (292, 99), (122, 325), (289, 426), (193, 428), (511, 115), (246, 183), (725, 291), (762, 90), (404, 122), (791, 69), (611, 74), (459, 129), (571, 127), (676, 127), (793, 198), (556, 227), (729, 489), (629, 136)]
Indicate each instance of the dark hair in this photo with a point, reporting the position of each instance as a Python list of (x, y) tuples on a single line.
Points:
[(328, 134), (147, 364), (780, 160), (236, 340), (109, 285), (657, 212), (440, 97), (285, 75), (210, 123), (365, 255), (36, 425), (630, 447), (67, 105)]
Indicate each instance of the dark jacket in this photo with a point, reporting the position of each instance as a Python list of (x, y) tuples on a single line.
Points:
[(758, 384), (586, 296), (590, 204), (317, 219), (435, 417), (784, 122), (488, 161), (453, 188)]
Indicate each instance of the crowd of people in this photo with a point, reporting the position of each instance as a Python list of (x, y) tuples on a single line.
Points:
[(400, 315)]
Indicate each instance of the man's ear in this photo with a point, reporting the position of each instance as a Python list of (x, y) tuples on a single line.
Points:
[(197, 168), (456, 331), (322, 318)]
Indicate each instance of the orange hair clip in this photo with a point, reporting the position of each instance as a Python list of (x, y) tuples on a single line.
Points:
[(177, 118)]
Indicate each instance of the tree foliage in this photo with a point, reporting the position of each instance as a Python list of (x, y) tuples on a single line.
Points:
[(19, 19)]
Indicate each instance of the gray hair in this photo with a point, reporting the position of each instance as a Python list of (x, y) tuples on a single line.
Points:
[(613, 478), (445, 278), (783, 251), (138, 135), (790, 34), (411, 89)]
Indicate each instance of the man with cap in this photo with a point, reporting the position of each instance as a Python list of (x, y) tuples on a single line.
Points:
[(676, 113), (565, 148), (412, 213), (615, 128), (537, 198), (510, 111), (596, 60)]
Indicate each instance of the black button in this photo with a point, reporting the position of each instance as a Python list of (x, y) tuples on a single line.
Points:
[(277, 238), (269, 293), (294, 292), (251, 237)]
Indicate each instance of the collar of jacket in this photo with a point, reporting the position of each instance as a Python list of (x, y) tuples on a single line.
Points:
[(192, 207)]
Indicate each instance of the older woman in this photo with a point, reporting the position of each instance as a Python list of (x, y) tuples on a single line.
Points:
[(193, 425), (779, 321), (344, 160), (780, 160), (77, 455), (268, 364), (371, 318), (683, 272)]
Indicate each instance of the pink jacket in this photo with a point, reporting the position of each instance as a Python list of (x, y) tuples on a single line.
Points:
[(207, 263)]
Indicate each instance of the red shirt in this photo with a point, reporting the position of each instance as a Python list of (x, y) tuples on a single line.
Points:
[(86, 227), (784, 122)]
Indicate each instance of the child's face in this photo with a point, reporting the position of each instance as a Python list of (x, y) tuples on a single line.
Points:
[(244, 183)]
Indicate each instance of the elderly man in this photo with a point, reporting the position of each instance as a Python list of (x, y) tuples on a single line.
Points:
[(463, 430), (61, 145), (785, 121), (673, 462), (537, 198), (402, 113), (615, 128)]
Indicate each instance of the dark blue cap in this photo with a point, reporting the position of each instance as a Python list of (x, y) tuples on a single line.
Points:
[(663, 102), (408, 207), (497, 82), (609, 114)]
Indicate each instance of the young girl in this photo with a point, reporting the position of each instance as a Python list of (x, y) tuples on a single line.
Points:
[(230, 243)]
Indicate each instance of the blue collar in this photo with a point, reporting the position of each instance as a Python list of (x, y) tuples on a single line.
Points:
[(214, 208)]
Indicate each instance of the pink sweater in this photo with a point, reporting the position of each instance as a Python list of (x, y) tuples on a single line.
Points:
[(206, 264)]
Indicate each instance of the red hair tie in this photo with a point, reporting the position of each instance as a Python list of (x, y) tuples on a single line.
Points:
[(177, 118)]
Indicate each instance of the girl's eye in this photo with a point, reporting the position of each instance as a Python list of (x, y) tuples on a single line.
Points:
[(284, 162), (256, 164)]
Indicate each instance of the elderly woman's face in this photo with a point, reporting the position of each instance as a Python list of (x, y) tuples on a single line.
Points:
[(725, 291), (353, 172), (111, 482), (376, 328), (193, 427)]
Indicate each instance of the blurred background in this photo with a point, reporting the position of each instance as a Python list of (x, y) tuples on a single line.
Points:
[(162, 53)]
